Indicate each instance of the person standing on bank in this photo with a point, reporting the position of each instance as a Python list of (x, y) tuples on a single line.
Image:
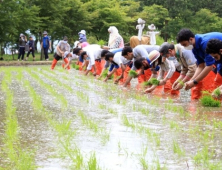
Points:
[(22, 43), (46, 45), (31, 48)]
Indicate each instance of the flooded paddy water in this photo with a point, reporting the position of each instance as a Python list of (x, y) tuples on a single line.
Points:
[(59, 120)]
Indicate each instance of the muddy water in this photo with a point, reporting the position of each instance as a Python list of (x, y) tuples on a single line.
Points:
[(124, 145)]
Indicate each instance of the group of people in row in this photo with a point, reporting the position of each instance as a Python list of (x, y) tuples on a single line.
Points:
[(194, 63)]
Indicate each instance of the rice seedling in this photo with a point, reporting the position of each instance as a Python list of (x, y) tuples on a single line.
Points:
[(177, 150), (92, 164), (146, 83), (15, 155), (174, 125), (203, 156), (156, 138), (132, 73), (142, 159), (209, 101), (112, 111), (154, 81), (217, 92), (127, 123), (118, 100), (102, 106), (75, 66)]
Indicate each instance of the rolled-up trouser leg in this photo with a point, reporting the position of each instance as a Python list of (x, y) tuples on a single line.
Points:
[(66, 61)]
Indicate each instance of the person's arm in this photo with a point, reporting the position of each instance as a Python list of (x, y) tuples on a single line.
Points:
[(170, 72), (189, 67), (50, 44), (60, 51), (110, 74)]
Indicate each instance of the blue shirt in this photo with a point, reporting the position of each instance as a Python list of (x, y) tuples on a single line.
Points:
[(201, 41), (113, 66)]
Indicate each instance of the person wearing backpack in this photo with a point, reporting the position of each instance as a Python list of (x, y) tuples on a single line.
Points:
[(46, 45), (31, 44)]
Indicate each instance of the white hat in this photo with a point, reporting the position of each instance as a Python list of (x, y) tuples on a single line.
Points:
[(82, 32), (76, 44), (21, 34), (152, 27)]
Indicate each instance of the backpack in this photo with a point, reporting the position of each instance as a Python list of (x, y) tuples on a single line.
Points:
[(45, 42)]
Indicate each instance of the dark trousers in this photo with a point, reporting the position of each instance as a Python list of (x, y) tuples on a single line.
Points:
[(21, 52), (31, 51), (46, 53)]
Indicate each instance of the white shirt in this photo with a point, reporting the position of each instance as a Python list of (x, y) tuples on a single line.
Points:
[(119, 59), (142, 51), (93, 52), (167, 66)]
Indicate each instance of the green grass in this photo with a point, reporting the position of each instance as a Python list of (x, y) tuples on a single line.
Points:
[(30, 58), (209, 101)]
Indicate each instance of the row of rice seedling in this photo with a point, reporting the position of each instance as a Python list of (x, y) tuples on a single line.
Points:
[(15, 155)]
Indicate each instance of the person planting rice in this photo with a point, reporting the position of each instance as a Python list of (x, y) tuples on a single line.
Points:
[(140, 51), (61, 48), (78, 44), (155, 59), (118, 66), (185, 68), (73, 56), (106, 65), (92, 54), (214, 48), (204, 75)]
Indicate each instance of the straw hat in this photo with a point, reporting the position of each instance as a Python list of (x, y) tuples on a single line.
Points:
[(153, 56), (152, 27)]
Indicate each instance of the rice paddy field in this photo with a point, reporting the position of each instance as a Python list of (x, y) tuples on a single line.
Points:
[(59, 120)]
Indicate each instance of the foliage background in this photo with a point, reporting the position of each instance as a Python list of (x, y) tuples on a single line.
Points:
[(68, 17)]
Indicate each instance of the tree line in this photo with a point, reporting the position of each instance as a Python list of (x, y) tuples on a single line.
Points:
[(68, 17)]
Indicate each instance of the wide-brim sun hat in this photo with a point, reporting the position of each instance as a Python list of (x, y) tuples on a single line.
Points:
[(152, 27), (82, 32), (153, 56)]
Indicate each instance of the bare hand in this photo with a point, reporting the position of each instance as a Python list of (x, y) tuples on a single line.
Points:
[(175, 84), (150, 89), (189, 85), (162, 82), (116, 81), (94, 73), (178, 86)]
